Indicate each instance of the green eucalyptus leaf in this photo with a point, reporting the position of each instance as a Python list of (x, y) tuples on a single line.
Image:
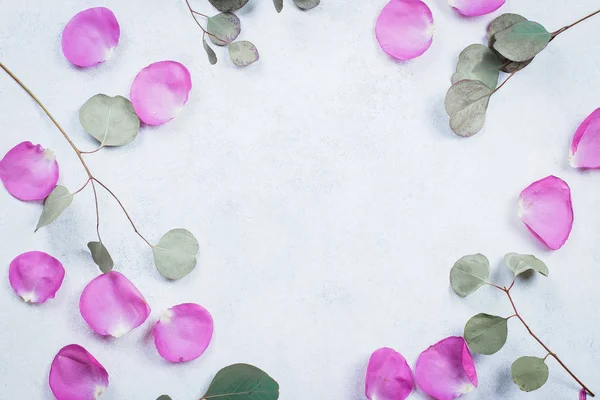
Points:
[(519, 263), (110, 120), (512, 66), (225, 26), (522, 41), (307, 4), (466, 104), (242, 382), (212, 57), (486, 334), (164, 397), (529, 373), (175, 253), (101, 256), (56, 202), (228, 5), (278, 5), (243, 53), (501, 23), (478, 62), (469, 273)]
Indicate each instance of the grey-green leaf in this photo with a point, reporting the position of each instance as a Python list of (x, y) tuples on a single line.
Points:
[(228, 5), (522, 41), (101, 256), (469, 273), (225, 26), (486, 334), (478, 62), (164, 397), (278, 5), (519, 263), (466, 104), (501, 23), (212, 57), (307, 4), (110, 120), (242, 382), (529, 373), (243, 53), (56, 202), (175, 253)]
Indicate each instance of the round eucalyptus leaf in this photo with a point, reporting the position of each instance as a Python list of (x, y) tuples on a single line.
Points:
[(307, 4), (486, 334), (225, 26), (164, 397), (478, 62), (511, 66), (243, 53), (101, 256), (469, 273), (278, 5), (212, 57), (242, 382), (56, 202), (466, 104), (519, 263), (175, 254), (228, 5), (110, 120), (501, 23), (521, 41), (529, 373)]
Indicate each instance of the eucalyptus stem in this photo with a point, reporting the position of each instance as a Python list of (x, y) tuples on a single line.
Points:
[(564, 28), (193, 13)]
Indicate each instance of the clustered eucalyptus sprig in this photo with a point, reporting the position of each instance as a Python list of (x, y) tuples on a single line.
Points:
[(486, 334)]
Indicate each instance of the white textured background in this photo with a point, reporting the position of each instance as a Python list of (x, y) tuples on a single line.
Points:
[(329, 197)]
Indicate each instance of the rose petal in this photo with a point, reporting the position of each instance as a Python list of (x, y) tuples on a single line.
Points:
[(159, 91), (29, 172), (585, 148), (90, 37), (111, 305), (545, 207), (446, 370), (473, 8), (582, 394), (36, 276), (404, 28), (183, 332), (76, 375), (388, 376)]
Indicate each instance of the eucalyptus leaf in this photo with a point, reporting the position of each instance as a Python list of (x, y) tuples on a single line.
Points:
[(243, 53), (501, 23), (242, 382), (522, 41), (56, 202), (175, 253), (529, 373), (225, 26), (228, 5), (478, 62), (519, 263), (101, 256), (110, 120), (469, 273), (486, 334), (512, 66), (212, 57), (278, 5), (164, 397), (466, 103), (307, 4)]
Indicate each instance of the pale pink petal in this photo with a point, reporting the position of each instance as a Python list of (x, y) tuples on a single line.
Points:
[(29, 172), (183, 332), (545, 207), (90, 37), (585, 148), (76, 375), (472, 8), (446, 370), (582, 394), (159, 91), (36, 276), (111, 305), (404, 28), (388, 376)]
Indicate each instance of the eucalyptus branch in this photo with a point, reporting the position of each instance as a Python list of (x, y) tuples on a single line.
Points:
[(193, 12)]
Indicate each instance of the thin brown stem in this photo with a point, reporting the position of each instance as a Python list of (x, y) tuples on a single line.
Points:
[(83, 187), (200, 14), (97, 210), (507, 78), (192, 12), (93, 151), (564, 28)]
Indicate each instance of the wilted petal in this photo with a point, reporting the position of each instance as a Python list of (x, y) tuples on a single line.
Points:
[(90, 37), (446, 370), (111, 305), (472, 8), (545, 207), (585, 148), (29, 172), (404, 28), (183, 332), (36, 276), (159, 91), (388, 376), (76, 375)]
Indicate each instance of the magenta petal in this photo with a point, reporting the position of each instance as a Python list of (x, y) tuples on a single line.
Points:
[(90, 37), (183, 333), (111, 305), (159, 91), (585, 148), (388, 376), (76, 375), (446, 370), (36, 276), (472, 8), (29, 172), (582, 394), (545, 207), (404, 28)]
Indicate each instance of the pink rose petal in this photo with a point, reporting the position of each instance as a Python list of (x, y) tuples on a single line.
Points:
[(582, 394), (111, 305), (36, 276), (90, 37), (473, 8), (404, 28), (76, 375), (159, 91), (585, 148), (446, 370), (183, 333), (545, 207), (388, 376), (29, 172)]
